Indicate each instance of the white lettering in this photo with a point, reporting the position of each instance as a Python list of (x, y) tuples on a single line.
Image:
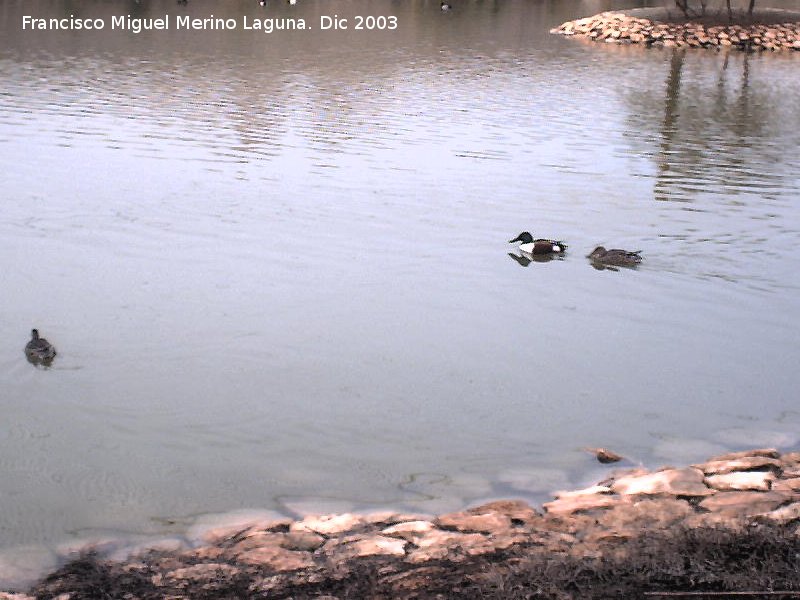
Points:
[(211, 22), (70, 23)]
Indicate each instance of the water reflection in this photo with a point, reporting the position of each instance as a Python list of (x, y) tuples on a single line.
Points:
[(523, 259), (599, 266), (721, 114)]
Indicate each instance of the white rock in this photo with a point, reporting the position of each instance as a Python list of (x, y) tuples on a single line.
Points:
[(785, 514), (211, 528), (567, 506), (747, 463), (409, 530), (377, 545), (677, 482), (742, 504), (328, 524), (595, 489), (742, 480)]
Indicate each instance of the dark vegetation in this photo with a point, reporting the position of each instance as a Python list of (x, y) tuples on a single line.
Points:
[(760, 561), (733, 16), (715, 17)]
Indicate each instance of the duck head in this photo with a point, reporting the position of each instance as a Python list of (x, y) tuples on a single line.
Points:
[(524, 237), (598, 252)]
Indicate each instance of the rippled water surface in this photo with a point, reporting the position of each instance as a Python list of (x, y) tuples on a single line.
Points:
[(276, 268)]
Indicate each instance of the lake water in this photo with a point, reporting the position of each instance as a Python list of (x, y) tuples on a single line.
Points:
[(276, 266)]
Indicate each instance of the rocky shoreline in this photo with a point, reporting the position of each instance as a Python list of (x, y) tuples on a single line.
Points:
[(740, 509), (659, 27)]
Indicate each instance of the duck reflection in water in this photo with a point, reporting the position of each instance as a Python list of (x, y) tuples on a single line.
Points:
[(39, 351), (523, 259)]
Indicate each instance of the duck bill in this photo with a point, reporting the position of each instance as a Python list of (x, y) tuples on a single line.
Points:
[(516, 239)]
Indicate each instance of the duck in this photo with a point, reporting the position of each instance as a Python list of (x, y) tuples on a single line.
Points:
[(39, 349), (262, 2), (183, 2), (292, 2), (538, 246), (615, 257), (445, 5)]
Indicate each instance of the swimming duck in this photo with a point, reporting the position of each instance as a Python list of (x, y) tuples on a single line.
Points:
[(39, 349), (445, 5), (292, 2), (615, 257), (538, 246)]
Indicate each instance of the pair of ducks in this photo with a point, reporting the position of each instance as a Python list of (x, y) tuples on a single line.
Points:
[(39, 350), (615, 257)]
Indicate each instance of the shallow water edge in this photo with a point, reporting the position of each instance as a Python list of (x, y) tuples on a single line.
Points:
[(272, 552)]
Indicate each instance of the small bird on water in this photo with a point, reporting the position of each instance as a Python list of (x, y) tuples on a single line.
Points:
[(615, 257), (445, 5), (39, 350), (538, 246)]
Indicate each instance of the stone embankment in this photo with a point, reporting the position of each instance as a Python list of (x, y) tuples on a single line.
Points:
[(635, 28), (404, 551)]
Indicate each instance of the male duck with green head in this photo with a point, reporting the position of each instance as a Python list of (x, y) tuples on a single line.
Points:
[(538, 246)]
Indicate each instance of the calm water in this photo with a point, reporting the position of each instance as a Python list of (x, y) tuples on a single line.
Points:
[(276, 266)]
